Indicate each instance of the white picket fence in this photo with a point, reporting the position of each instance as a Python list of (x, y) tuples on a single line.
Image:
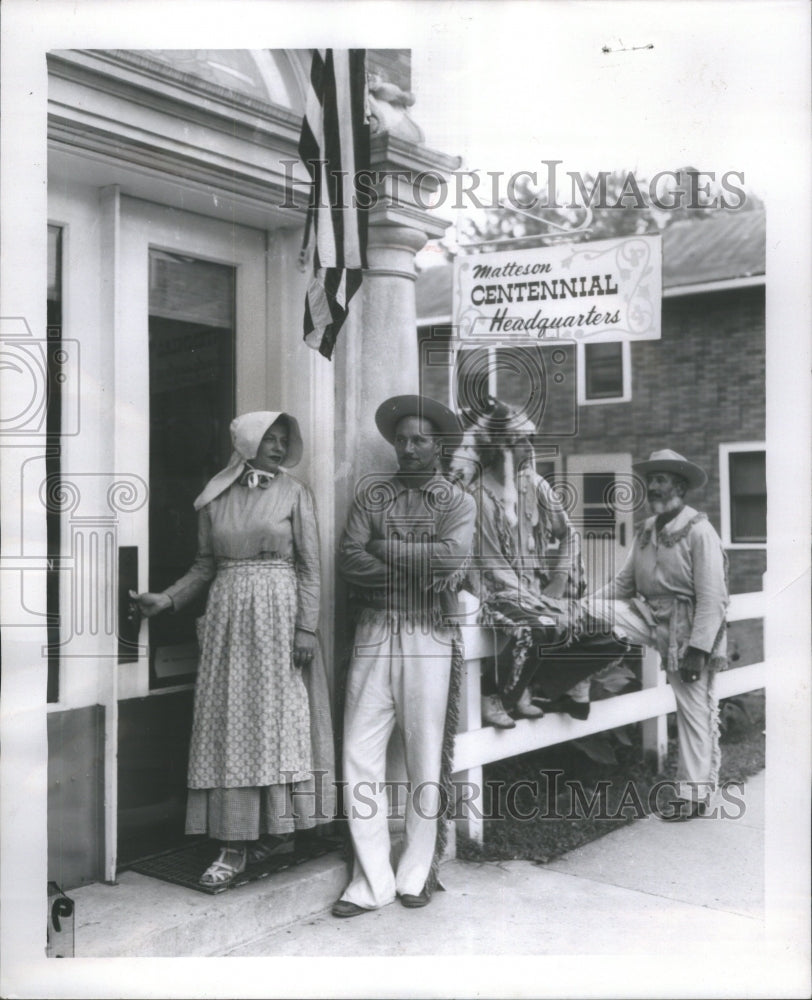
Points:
[(477, 744)]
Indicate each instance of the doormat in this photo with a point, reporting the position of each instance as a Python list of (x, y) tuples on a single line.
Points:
[(185, 865)]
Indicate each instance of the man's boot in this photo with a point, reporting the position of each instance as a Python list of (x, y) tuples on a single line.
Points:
[(494, 714), (525, 707)]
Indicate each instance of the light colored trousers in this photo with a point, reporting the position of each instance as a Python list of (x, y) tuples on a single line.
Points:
[(396, 676), (699, 754)]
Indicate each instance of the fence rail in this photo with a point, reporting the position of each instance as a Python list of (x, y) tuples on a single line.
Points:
[(476, 744)]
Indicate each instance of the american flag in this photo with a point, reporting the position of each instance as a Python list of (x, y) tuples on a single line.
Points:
[(334, 145)]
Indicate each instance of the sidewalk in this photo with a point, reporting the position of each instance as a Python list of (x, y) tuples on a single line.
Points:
[(698, 885)]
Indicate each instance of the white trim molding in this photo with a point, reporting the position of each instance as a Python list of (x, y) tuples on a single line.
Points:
[(718, 285)]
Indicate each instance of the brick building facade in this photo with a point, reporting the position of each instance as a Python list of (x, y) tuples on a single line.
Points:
[(700, 389)]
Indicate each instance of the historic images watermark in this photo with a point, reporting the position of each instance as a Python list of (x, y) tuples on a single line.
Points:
[(544, 187), (89, 506), (546, 796)]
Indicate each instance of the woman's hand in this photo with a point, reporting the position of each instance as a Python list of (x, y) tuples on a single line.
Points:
[(152, 604), (304, 648)]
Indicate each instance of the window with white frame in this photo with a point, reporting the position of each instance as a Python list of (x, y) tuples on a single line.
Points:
[(743, 494), (604, 373)]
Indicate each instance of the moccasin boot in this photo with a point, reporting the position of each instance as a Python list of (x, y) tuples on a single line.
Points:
[(525, 707), (494, 714)]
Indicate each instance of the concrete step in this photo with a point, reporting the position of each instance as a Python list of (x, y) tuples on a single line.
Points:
[(142, 916)]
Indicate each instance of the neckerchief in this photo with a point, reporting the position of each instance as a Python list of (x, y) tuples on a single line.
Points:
[(252, 478)]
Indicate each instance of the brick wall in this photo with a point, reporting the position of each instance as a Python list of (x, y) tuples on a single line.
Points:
[(700, 385)]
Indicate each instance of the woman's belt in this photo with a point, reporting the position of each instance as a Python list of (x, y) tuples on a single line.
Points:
[(263, 559)]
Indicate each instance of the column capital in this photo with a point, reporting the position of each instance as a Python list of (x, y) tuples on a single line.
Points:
[(408, 182), (391, 249)]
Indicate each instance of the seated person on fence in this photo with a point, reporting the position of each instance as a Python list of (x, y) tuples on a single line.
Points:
[(528, 590)]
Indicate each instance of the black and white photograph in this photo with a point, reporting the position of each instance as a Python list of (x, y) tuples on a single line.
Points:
[(405, 452)]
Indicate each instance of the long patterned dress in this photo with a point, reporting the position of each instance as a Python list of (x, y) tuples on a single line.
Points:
[(261, 725)]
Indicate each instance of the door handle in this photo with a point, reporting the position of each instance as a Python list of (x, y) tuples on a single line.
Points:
[(129, 614), (623, 533)]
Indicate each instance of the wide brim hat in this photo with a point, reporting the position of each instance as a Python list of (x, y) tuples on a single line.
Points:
[(667, 460), (394, 409)]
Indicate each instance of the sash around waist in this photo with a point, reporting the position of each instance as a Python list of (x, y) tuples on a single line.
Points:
[(664, 598), (269, 560)]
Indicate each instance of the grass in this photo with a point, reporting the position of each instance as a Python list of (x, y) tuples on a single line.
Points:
[(561, 817)]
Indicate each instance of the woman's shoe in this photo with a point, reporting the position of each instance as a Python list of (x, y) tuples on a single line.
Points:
[(267, 847), (222, 871)]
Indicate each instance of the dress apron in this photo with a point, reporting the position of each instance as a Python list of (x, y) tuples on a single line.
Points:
[(251, 725)]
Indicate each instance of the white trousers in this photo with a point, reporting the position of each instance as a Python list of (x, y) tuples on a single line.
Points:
[(699, 754), (396, 677)]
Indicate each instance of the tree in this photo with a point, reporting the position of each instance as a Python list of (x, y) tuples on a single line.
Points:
[(620, 203)]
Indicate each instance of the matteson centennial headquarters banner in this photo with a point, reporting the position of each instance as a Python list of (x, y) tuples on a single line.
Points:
[(607, 290)]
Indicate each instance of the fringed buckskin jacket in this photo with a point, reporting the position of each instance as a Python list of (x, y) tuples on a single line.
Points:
[(677, 580)]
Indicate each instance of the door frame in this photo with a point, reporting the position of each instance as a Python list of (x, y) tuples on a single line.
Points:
[(137, 227)]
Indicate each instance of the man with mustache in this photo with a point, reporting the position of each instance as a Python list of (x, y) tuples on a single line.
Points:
[(404, 554), (671, 593)]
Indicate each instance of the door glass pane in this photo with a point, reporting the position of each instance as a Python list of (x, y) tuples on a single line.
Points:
[(599, 514), (191, 381)]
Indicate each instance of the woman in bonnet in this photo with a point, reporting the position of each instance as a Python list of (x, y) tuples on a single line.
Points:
[(261, 755)]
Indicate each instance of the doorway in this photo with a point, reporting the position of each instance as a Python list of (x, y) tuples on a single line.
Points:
[(191, 351), (191, 403), (603, 512)]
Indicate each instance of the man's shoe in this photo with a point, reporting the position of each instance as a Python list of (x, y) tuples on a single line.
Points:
[(423, 898), (681, 810), (494, 714), (565, 703), (525, 707), (344, 908)]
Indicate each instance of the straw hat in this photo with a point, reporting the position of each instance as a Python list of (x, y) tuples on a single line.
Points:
[(667, 460), (394, 409)]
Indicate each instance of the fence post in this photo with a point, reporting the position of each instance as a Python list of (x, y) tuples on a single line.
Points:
[(655, 731), (471, 821)]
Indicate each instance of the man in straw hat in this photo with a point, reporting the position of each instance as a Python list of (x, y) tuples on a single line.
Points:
[(404, 553), (671, 594)]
